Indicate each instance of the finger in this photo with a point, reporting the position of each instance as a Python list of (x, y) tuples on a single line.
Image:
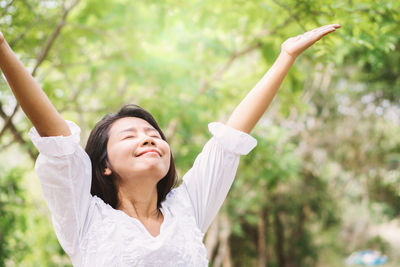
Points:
[(335, 25), (325, 30), (319, 30), (313, 36), (296, 38)]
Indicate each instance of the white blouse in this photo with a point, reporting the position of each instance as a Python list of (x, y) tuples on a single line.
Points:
[(94, 234)]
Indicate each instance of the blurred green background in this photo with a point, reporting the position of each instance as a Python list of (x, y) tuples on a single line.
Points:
[(324, 180)]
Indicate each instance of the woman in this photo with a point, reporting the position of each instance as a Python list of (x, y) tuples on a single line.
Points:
[(113, 204)]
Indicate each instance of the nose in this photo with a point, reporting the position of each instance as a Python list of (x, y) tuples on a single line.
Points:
[(148, 141)]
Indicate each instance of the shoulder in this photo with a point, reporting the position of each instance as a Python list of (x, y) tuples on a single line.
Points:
[(56, 146), (178, 199)]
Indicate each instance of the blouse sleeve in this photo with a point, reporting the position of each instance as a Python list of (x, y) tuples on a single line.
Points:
[(208, 181), (64, 171)]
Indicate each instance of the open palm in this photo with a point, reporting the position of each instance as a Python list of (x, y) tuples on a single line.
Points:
[(295, 45)]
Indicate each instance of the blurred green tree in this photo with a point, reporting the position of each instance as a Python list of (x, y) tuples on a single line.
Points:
[(328, 146)]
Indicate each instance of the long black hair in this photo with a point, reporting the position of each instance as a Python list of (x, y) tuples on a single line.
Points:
[(104, 186)]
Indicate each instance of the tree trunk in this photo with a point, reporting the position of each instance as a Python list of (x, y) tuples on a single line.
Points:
[(223, 248), (280, 239), (228, 258), (262, 252), (293, 257), (212, 238)]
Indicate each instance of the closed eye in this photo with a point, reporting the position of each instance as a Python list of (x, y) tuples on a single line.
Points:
[(129, 137)]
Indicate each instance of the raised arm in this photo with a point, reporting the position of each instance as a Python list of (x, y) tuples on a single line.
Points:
[(34, 102), (252, 107)]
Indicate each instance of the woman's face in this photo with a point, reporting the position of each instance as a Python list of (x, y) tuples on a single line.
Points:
[(136, 150)]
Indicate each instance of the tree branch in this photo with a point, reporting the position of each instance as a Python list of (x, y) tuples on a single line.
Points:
[(3, 147), (39, 60), (53, 36), (205, 84), (218, 74), (294, 16), (5, 9), (7, 119), (16, 134)]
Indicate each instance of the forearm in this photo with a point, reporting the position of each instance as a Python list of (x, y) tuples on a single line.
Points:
[(250, 110), (253, 106), (30, 96)]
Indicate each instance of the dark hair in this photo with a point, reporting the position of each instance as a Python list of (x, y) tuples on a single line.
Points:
[(104, 186)]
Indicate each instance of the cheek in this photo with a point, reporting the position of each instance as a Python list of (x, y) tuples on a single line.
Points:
[(112, 158), (167, 151), (165, 165), (116, 154), (168, 160)]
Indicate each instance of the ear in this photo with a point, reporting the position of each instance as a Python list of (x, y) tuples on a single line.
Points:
[(107, 171)]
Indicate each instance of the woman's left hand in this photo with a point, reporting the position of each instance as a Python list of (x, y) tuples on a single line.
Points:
[(295, 45)]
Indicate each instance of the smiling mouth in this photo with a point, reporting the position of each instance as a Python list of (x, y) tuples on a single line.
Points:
[(149, 151)]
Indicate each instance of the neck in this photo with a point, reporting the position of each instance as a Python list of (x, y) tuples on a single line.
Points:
[(138, 201)]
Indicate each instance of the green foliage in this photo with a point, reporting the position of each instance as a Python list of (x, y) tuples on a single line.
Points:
[(25, 236), (329, 141), (13, 221), (377, 243)]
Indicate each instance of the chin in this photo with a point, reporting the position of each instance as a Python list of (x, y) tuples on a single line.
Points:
[(154, 171)]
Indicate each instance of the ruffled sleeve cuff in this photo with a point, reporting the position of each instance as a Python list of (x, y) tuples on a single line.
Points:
[(231, 139), (57, 145)]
